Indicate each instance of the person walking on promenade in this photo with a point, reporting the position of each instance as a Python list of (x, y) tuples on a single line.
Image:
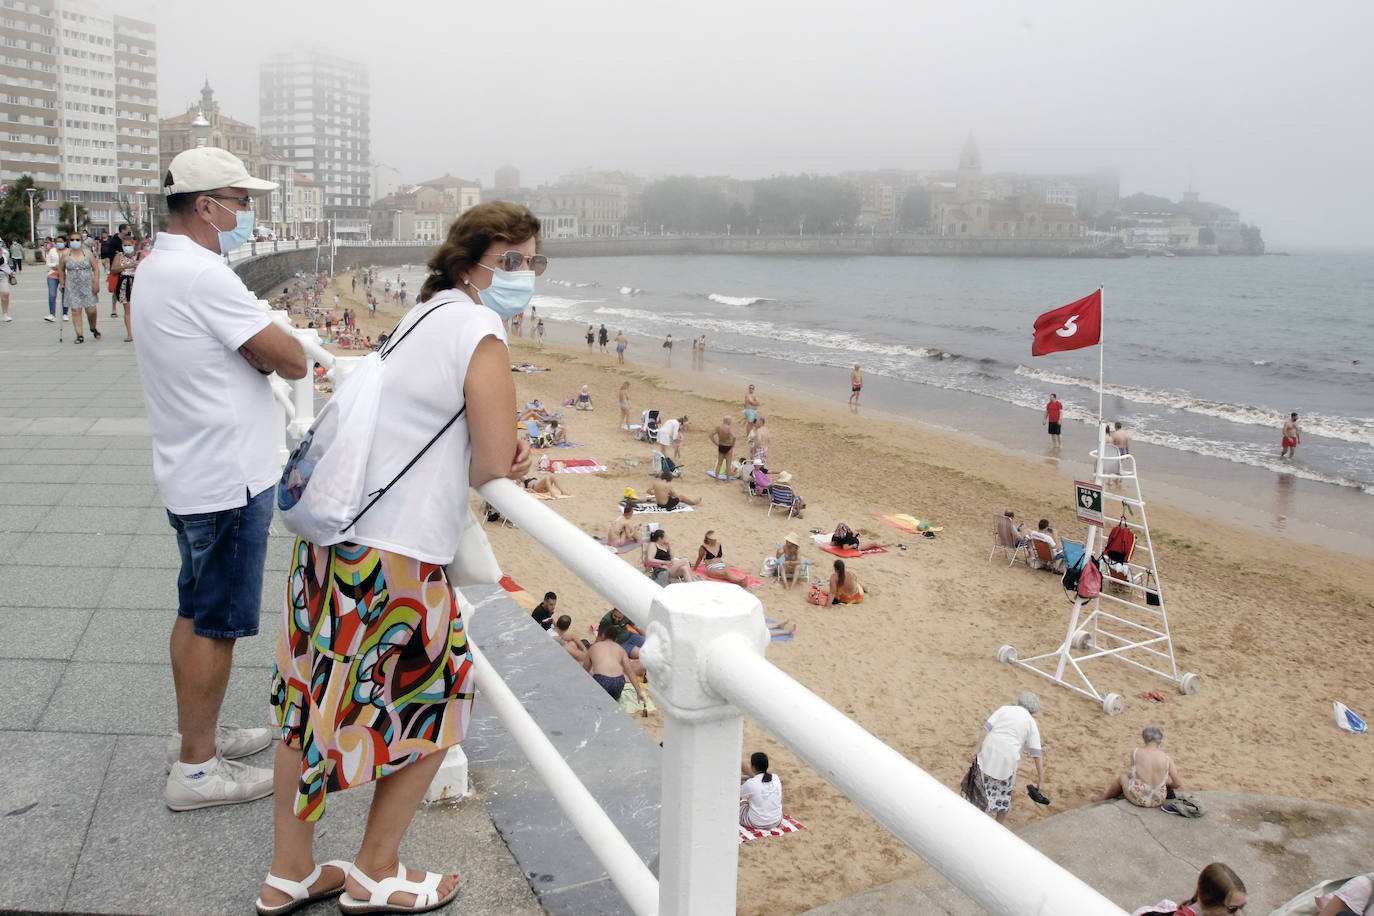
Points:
[(7, 273), (78, 276), (122, 266), (371, 632), (1291, 436), (108, 249), (1053, 411), (204, 350), (856, 384), (52, 258)]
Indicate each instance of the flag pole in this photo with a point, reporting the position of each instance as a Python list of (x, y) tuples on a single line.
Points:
[(1101, 363)]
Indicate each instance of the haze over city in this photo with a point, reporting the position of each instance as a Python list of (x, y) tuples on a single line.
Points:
[(1258, 108)]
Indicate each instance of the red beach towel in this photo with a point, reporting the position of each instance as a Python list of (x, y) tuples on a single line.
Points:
[(788, 825)]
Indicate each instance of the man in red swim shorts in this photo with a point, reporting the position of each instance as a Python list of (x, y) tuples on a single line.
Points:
[(1291, 436)]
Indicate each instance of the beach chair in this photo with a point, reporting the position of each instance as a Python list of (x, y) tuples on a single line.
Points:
[(661, 463), (782, 497), (1044, 557), (538, 438), (654, 569), (1004, 539), (648, 426)]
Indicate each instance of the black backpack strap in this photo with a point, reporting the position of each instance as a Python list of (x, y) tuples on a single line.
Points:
[(378, 494)]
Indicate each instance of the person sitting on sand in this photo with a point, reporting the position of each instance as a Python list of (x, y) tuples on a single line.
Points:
[(584, 399), (665, 497), (610, 665), (546, 485), (1151, 775), (558, 434), (711, 553), (844, 536), (844, 586), (628, 638), (789, 560), (577, 648), (662, 558), (623, 530), (760, 794)]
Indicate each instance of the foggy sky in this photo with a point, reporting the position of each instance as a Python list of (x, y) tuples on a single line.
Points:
[(1265, 107)]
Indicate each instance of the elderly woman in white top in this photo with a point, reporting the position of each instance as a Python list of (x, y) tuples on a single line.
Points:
[(1004, 734)]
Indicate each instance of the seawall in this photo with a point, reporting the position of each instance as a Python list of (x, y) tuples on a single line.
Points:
[(267, 272)]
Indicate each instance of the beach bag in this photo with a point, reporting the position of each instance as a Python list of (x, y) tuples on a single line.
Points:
[(1089, 579), (110, 281), (1071, 574), (320, 493), (817, 595), (1152, 598), (1183, 806), (971, 786), (1120, 542), (769, 568), (844, 536)]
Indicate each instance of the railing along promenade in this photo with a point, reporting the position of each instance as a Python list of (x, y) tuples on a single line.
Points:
[(704, 651)]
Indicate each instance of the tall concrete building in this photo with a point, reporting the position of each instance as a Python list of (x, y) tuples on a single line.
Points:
[(79, 108), (316, 114)]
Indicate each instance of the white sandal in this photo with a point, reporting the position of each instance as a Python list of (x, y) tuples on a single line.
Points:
[(300, 890), (379, 893)]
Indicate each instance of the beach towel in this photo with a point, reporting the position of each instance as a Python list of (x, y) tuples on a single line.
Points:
[(788, 825), (714, 476), (1348, 721), (577, 466), (847, 553), (518, 594), (566, 445), (750, 581), (623, 548), (549, 495), (778, 637), (908, 524), (630, 703), (654, 508)]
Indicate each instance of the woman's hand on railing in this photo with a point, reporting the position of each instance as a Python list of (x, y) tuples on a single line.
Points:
[(523, 456)]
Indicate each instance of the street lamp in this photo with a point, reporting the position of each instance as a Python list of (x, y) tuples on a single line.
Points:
[(33, 236)]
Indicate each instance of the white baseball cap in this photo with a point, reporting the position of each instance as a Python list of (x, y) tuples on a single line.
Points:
[(206, 168)]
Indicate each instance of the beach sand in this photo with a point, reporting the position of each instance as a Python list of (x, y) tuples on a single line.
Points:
[(1276, 631)]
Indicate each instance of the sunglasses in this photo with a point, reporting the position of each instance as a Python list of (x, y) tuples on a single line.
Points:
[(1235, 909), (514, 260)]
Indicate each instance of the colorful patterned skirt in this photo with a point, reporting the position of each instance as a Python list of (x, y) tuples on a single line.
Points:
[(998, 792), (373, 668)]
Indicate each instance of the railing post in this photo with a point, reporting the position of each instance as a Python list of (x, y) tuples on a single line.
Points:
[(702, 733)]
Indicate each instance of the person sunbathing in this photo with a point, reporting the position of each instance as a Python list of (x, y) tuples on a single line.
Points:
[(546, 485), (844, 586), (786, 628), (789, 560), (1146, 784), (710, 553), (623, 530), (577, 648), (665, 497), (662, 558), (535, 411), (863, 539)]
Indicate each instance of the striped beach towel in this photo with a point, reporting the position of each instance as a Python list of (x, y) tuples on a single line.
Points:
[(654, 509), (788, 825), (576, 466), (848, 553)]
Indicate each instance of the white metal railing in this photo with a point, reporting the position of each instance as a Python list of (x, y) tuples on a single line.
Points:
[(704, 651), (257, 249)]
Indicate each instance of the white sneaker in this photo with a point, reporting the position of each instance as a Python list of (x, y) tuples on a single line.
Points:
[(8, 318), (231, 742), (230, 783), (49, 318)]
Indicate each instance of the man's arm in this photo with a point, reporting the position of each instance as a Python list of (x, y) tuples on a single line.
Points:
[(631, 676), (274, 350)]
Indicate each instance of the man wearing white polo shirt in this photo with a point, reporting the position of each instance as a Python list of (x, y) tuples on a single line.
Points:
[(205, 348)]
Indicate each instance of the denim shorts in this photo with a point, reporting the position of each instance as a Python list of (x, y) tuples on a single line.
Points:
[(222, 558)]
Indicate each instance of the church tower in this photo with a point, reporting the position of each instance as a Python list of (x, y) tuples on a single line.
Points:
[(969, 183)]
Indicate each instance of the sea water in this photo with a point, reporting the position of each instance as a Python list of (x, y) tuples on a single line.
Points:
[(1204, 357)]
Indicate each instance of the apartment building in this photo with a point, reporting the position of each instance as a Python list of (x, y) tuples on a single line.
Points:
[(79, 109)]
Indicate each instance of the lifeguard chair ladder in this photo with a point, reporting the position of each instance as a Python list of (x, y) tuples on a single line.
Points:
[(1121, 623)]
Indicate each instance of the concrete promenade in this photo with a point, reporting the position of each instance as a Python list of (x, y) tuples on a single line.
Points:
[(86, 702)]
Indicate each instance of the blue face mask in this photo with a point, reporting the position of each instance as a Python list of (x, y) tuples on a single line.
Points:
[(242, 231), (59, 244), (509, 293), (128, 249)]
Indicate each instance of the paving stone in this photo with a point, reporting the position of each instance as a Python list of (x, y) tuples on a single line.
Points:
[(53, 457), (46, 811), (126, 457), (90, 441), (51, 548), (26, 684), (108, 495), (22, 518), (140, 588), (33, 494), (87, 520), (58, 426), (121, 473), (152, 551), (138, 699), (126, 635), (51, 633), (52, 586)]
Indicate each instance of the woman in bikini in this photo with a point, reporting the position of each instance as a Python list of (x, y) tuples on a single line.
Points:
[(663, 558), (1150, 777), (710, 553), (545, 485), (844, 586), (624, 405)]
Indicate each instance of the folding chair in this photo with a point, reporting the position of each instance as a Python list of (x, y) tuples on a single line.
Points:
[(1004, 539), (648, 426), (757, 483), (1044, 556), (538, 439), (782, 497)]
